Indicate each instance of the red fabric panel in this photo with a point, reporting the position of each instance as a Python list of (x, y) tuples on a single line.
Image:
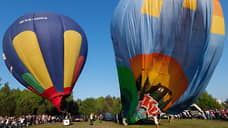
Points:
[(49, 93), (57, 102), (55, 97), (78, 68), (67, 91), (30, 88)]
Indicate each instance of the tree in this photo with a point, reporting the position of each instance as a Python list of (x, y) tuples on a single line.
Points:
[(117, 106), (0, 81), (88, 106), (24, 108), (50, 108), (108, 102), (41, 109), (100, 105), (7, 103), (69, 105), (226, 104), (207, 102), (23, 102)]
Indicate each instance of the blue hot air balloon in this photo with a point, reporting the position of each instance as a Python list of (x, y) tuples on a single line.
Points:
[(45, 52), (166, 52)]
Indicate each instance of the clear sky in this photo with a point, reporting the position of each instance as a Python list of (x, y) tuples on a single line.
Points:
[(99, 77)]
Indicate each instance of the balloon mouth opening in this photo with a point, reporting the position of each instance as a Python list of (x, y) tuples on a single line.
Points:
[(59, 102)]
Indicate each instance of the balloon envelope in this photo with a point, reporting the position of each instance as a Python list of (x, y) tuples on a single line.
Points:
[(166, 52), (46, 53)]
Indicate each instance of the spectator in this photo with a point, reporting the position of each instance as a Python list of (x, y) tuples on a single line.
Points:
[(91, 118), (21, 121), (101, 117)]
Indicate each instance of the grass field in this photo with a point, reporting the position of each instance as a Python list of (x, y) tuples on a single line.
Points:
[(163, 124)]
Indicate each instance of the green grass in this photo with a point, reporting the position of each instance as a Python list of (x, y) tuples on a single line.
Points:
[(163, 124)]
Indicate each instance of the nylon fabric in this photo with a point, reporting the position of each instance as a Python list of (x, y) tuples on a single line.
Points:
[(188, 38)]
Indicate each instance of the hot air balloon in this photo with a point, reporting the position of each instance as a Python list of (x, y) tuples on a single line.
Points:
[(166, 52), (46, 53)]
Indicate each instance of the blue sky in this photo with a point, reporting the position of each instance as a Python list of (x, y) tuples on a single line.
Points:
[(99, 77)]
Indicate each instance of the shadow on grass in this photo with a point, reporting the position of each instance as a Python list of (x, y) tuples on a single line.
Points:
[(145, 122)]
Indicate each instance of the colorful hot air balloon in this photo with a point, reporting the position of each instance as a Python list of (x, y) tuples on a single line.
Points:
[(46, 53), (166, 52)]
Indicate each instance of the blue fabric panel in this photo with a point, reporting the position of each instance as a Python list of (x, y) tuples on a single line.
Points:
[(205, 71), (12, 59), (51, 41), (178, 32)]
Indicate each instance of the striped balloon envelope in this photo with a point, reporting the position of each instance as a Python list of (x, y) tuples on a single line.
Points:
[(166, 52), (46, 53)]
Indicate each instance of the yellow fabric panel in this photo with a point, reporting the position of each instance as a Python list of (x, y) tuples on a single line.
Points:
[(218, 25), (28, 50), (152, 7), (158, 68), (72, 45), (191, 4)]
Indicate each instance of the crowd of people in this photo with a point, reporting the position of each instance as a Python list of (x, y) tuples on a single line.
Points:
[(28, 120), (217, 114), (208, 114)]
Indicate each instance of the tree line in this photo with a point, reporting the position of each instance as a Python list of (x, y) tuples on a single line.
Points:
[(16, 102), (207, 102)]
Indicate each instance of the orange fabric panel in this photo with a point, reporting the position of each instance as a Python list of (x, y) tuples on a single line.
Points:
[(161, 69), (217, 8)]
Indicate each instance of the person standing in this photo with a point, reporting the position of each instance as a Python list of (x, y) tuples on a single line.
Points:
[(170, 117), (100, 118), (91, 118), (156, 121), (22, 121)]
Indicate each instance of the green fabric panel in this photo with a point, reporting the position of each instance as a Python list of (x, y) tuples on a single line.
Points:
[(29, 79), (129, 94)]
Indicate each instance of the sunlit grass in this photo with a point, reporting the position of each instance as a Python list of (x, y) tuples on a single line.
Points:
[(163, 124)]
